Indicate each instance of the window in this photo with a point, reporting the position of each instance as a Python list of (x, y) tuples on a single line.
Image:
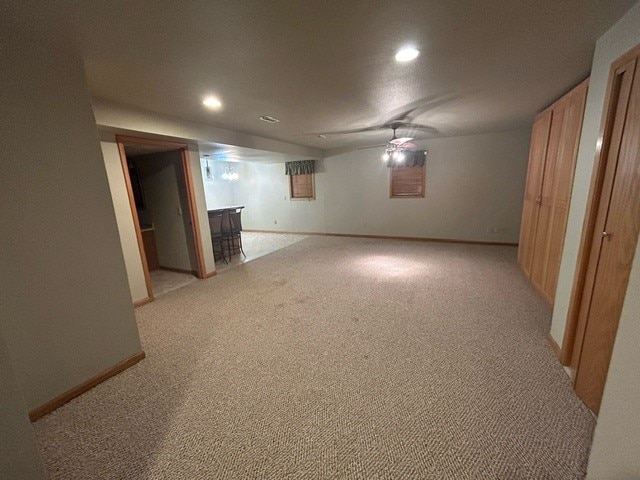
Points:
[(407, 182), (301, 186)]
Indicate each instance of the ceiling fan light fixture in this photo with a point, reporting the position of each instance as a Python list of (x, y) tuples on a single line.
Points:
[(406, 54), (385, 157)]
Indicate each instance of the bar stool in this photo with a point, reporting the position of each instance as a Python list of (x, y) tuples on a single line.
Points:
[(231, 230), (215, 227)]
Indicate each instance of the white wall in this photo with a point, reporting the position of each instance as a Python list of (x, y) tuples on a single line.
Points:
[(65, 307), (472, 183), (218, 191), (617, 437), (124, 218), (166, 208)]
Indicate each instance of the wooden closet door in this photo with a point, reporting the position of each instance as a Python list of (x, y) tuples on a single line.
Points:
[(535, 172), (614, 240), (564, 168), (541, 241)]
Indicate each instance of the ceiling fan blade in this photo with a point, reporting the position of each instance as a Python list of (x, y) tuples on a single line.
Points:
[(419, 126), (408, 112), (400, 141), (372, 146), (353, 130)]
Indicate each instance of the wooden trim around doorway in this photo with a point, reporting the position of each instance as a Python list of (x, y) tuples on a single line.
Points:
[(193, 210), (123, 140), (136, 222), (568, 350)]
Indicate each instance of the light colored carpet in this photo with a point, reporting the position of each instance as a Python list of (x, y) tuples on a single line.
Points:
[(164, 281), (336, 358)]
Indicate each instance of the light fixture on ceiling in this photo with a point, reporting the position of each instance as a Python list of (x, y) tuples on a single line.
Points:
[(406, 54), (208, 173), (230, 174), (212, 103), (396, 147), (269, 119), (394, 152)]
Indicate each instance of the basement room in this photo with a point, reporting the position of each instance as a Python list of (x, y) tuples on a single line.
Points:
[(320, 240)]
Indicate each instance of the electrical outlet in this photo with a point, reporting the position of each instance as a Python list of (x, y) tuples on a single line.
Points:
[(275, 222)]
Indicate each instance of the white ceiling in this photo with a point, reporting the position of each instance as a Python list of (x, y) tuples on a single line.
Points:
[(323, 65), (230, 153)]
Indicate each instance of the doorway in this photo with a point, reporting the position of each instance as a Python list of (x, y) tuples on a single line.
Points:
[(159, 184), (610, 236)]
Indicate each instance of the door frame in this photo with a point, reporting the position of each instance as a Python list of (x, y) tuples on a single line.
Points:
[(574, 331), (121, 141)]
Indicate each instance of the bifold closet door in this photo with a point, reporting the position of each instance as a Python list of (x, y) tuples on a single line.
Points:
[(557, 189), (615, 237), (545, 204), (535, 172)]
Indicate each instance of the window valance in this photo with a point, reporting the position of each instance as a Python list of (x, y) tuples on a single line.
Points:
[(299, 167), (411, 159)]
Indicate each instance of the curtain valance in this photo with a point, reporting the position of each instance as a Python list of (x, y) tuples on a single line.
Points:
[(411, 159), (299, 167)]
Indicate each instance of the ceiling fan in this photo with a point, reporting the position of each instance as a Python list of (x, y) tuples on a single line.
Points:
[(402, 117), (402, 142), (396, 148)]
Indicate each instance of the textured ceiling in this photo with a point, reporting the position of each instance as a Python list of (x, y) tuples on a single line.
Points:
[(230, 153), (328, 65)]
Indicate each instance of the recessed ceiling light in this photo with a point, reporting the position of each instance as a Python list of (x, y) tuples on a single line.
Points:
[(212, 103), (269, 119), (407, 54)]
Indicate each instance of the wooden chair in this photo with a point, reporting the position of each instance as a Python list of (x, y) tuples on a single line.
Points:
[(232, 231), (215, 227)]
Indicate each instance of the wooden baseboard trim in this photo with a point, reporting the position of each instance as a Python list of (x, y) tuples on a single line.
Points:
[(210, 274), (179, 270), (555, 347), (85, 386), (389, 237), (142, 302)]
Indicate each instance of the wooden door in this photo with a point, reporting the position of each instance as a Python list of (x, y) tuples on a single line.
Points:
[(541, 241), (562, 184), (535, 172), (614, 238)]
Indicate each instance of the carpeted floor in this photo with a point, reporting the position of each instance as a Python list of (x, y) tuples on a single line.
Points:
[(336, 358)]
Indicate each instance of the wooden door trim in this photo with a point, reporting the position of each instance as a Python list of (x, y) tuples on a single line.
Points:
[(193, 211), (136, 225), (126, 139), (123, 140), (573, 332)]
